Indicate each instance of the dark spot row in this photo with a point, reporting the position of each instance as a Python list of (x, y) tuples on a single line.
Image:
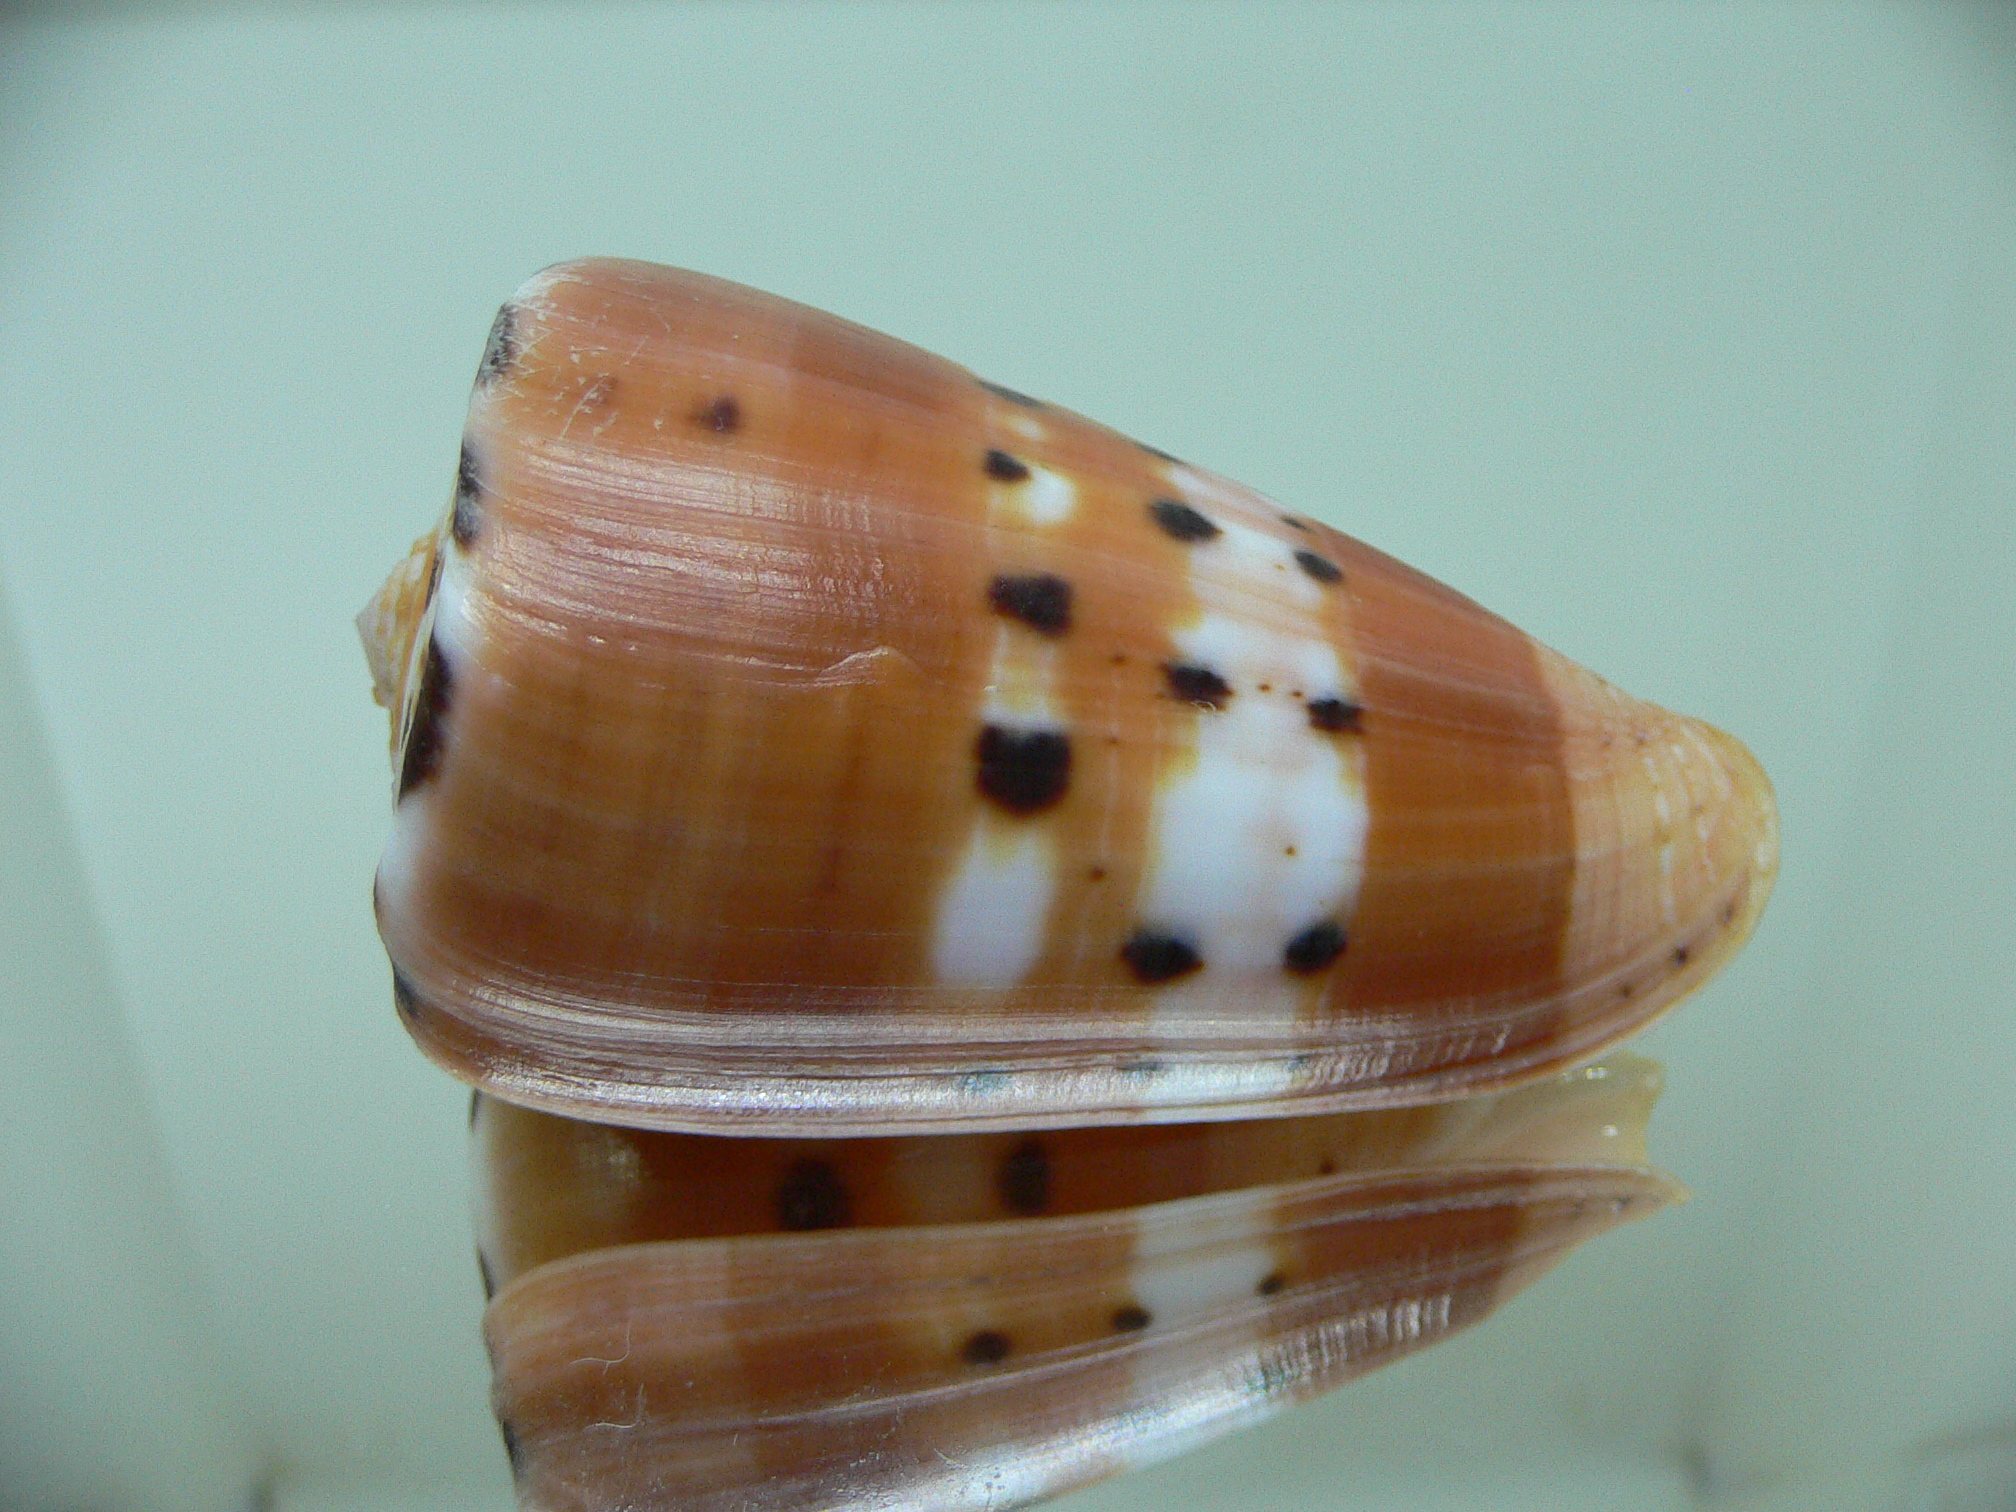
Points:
[(1176, 519), (989, 1346), (1026, 771), (1190, 683), (1181, 522), (1156, 956)]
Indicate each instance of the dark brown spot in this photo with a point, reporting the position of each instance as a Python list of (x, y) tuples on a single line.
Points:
[(424, 742), (1096, 874), (467, 514), (1339, 716), (1181, 521), (1023, 770), (1013, 396), (1159, 957), (1041, 600), (1292, 521), (1271, 1283), (1320, 568), (1729, 912), (985, 1348), (811, 1197), (1624, 989), (1024, 1180), (723, 416), (1132, 1318), (1197, 685), (1314, 948), (483, 1270), (1326, 1166), (1006, 468), (1119, 658), (1681, 955), (500, 349)]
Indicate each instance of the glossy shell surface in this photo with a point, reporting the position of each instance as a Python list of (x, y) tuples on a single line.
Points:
[(796, 734), (981, 1321)]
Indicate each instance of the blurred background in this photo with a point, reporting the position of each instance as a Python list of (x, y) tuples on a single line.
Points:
[(1682, 335)]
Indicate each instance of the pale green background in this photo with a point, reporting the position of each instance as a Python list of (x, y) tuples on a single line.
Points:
[(1683, 335)]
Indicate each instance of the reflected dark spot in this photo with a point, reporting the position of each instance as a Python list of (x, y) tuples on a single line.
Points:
[(424, 741), (483, 1270), (1271, 1283), (500, 348), (1181, 521), (1197, 685), (1314, 948), (723, 416), (1338, 716), (467, 514), (404, 998), (811, 1197), (1041, 600), (1013, 396), (1023, 770), (1132, 1318), (1292, 521), (1320, 568), (1024, 1181), (1681, 955), (1005, 468), (1158, 957), (511, 1451), (1155, 451), (985, 1348), (475, 1102)]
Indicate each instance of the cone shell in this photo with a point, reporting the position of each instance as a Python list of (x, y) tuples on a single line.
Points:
[(1018, 1315), (793, 731)]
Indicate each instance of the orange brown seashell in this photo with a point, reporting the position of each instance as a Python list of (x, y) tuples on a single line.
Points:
[(990, 955), (797, 727)]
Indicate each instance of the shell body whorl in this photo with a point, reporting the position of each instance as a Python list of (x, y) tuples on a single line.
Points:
[(798, 724)]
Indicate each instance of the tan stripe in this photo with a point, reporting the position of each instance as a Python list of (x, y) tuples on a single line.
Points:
[(1469, 861)]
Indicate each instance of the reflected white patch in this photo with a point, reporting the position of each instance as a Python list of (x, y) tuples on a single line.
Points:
[(991, 918), (1179, 1290)]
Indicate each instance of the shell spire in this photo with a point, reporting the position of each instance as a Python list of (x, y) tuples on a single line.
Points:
[(792, 723)]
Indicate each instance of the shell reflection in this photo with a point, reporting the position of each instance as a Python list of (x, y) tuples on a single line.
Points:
[(981, 1320)]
